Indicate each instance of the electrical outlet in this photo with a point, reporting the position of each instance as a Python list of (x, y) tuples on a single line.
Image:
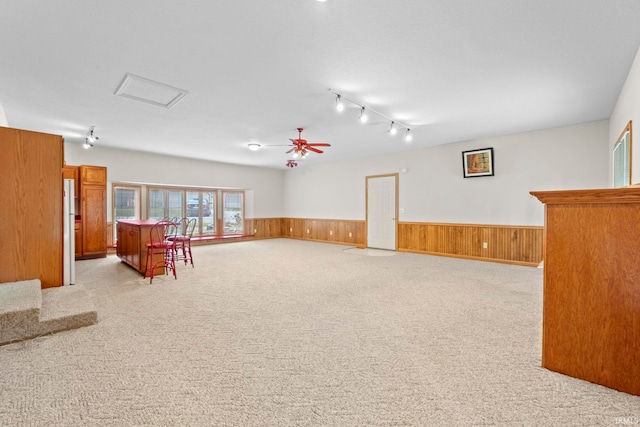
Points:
[(307, 231), (485, 245), (255, 230), (291, 230), (330, 232), (350, 235)]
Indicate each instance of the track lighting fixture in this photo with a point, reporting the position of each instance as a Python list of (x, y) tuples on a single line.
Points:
[(392, 128), (407, 136), (364, 116), (90, 139)]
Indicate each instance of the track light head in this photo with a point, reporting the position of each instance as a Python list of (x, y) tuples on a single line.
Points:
[(87, 144), (392, 129), (407, 136), (91, 138), (339, 104), (363, 116)]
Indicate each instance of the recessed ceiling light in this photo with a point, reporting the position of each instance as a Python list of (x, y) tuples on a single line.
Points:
[(321, 1), (254, 147)]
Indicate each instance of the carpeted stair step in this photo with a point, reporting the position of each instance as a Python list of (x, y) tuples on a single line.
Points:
[(66, 307), (20, 304), (27, 311)]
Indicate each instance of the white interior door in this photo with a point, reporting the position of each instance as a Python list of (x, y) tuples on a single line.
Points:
[(381, 212)]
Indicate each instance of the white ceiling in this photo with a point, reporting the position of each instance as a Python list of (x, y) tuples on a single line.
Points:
[(256, 70)]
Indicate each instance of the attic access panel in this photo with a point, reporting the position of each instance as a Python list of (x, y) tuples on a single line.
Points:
[(149, 91)]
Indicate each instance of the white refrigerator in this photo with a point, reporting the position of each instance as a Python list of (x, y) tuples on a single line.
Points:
[(69, 258)]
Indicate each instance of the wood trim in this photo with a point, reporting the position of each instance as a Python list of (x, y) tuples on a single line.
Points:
[(521, 245), (607, 195)]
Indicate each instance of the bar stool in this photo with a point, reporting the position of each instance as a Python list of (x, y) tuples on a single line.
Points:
[(161, 247), (183, 240)]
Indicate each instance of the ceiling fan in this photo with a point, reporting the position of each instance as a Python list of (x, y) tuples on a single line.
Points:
[(301, 147)]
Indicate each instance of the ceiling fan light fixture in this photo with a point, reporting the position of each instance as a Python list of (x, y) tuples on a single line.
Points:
[(408, 137), (254, 147), (339, 104)]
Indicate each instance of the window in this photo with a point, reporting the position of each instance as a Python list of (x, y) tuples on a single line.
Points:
[(233, 212), (126, 203), (202, 206), (622, 159), (165, 203)]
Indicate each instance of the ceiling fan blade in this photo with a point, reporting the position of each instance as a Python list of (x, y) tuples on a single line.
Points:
[(315, 150), (290, 151), (319, 144)]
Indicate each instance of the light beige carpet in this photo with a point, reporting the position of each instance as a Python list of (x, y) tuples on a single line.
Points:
[(294, 333)]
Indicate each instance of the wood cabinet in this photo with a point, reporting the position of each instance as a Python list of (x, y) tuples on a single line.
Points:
[(73, 172), (591, 301), (93, 211), (133, 236), (31, 198)]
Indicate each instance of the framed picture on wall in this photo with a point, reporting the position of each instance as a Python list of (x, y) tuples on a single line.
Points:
[(477, 162)]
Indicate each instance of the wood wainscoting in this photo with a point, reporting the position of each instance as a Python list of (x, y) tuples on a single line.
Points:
[(111, 244), (263, 228), (522, 245), (346, 232)]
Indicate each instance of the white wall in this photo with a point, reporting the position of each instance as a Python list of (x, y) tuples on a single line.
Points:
[(434, 190), (263, 200), (627, 108), (3, 118)]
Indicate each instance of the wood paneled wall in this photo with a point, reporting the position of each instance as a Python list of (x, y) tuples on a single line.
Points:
[(110, 238), (31, 207), (263, 228), (348, 232), (511, 244)]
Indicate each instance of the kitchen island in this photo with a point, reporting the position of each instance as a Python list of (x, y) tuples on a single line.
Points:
[(133, 236)]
